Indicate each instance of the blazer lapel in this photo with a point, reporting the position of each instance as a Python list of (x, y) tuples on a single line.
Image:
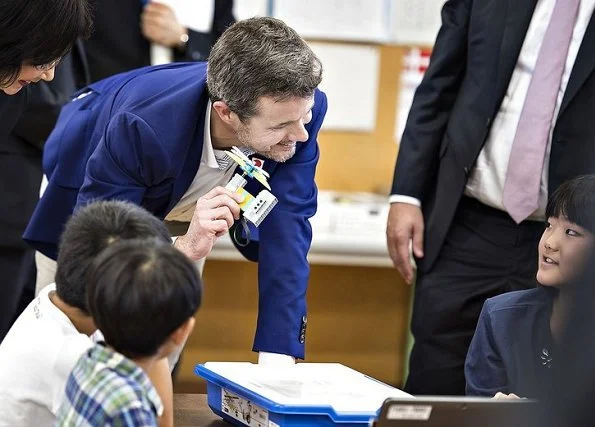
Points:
[(583, 65), (516, 23), (192, 159)]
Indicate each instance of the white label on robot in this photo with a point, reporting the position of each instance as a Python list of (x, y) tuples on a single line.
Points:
[(243, 410), (409, 412)]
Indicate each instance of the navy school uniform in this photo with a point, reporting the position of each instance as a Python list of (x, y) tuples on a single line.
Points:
[(512, 350)]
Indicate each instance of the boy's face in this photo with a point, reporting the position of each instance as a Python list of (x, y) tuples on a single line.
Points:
[(563, 250), (277, 127)]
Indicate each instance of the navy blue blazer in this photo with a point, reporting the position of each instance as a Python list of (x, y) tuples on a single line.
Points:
[(138, 136), (512, 349)]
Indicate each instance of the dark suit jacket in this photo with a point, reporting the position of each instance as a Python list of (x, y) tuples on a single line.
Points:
[(117, 43), (474, 56), (113, 144), (27, 119)]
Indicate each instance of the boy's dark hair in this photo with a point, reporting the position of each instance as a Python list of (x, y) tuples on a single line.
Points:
[(39, 32), (139, 292), (88, 232), (575, 200)]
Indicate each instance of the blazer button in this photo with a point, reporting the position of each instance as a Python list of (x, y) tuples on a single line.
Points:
[(302, 337)]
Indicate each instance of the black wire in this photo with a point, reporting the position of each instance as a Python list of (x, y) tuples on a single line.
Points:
[(237, 237)]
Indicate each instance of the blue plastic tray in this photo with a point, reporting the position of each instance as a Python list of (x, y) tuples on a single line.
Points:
[(244, 407)]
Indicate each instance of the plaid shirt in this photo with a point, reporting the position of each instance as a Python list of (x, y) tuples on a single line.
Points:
[(106, 388)]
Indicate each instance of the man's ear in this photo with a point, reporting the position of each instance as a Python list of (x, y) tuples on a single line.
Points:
[(179, 336), (224, 112)]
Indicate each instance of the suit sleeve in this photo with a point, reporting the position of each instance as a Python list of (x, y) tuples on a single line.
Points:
[(128, 160), (285, 238), (485, 373), (432, 104)]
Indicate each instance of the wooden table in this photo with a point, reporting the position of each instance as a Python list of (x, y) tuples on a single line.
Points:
[(192, 410)]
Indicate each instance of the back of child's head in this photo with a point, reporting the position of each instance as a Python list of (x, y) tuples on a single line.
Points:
[(88, 232), (575, 201), (139, 292)]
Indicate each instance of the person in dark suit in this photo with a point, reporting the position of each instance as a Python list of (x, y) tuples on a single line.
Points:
[(34, 36), (124, 30), (502, 117), (260, 93)]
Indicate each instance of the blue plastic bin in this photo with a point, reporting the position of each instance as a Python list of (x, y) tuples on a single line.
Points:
[(243, 406)]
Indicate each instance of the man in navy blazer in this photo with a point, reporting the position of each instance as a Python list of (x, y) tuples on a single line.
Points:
[(154, 136)]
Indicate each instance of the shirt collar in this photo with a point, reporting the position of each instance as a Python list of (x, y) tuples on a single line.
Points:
[(208, 151), (125, 367), (216, 159)]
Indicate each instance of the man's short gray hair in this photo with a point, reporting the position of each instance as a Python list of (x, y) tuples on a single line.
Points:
[(261, 57)]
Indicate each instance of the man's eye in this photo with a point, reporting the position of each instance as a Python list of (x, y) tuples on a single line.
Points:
[(308, 117), (572, 232)]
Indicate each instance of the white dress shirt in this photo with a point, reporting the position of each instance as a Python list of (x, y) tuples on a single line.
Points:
[(208, 176), (487, 178), (214, 169)]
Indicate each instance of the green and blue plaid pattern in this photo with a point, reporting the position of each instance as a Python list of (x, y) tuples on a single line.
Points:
[(106, 388)]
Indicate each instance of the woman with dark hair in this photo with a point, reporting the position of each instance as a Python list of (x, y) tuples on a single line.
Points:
[(34, 36)]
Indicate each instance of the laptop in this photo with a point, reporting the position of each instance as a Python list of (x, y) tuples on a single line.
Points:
[(430, 411)]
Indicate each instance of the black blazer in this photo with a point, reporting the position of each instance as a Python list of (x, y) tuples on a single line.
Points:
[(117, 43), (474, 56), (26, 120)]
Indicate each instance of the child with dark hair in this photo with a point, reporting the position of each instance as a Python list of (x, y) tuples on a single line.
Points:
[(51, 334), (143, 296), (514, 345)]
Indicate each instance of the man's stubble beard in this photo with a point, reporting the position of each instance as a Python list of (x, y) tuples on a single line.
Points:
[(245, 140)]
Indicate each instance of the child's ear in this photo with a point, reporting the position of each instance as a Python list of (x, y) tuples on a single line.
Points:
[(179, 336)]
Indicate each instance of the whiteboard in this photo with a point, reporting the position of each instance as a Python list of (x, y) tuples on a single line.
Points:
[(244, 9), (414, 22), (350, 80), (355, 20)]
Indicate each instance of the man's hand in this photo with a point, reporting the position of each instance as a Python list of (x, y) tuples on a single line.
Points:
[(405, 223), (502, 396), (213, 216), (160, 25)]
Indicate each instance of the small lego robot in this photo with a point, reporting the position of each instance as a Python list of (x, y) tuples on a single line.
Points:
[(255, 208)]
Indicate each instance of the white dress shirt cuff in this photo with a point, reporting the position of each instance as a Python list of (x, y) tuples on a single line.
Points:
[(397, 198), (275, 359)]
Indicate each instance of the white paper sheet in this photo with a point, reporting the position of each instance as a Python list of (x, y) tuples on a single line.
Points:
[(350, 81), (243, 9), (360, 20), (415, 22), (310, 384), (415, 62)]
